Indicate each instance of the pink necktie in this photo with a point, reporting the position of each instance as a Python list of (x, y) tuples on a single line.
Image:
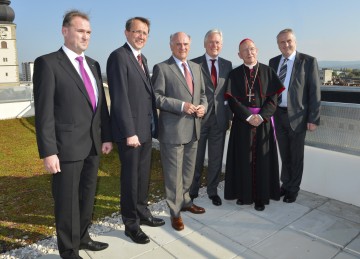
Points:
[(213, 72), (188, 78), (87, 82)]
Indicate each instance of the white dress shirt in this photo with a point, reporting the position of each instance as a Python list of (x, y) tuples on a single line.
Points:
[(72, 56)]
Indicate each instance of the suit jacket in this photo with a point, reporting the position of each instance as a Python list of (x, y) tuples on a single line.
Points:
[(133, 109), (171, 90), (66, 124), (304, 96), (216, 97)]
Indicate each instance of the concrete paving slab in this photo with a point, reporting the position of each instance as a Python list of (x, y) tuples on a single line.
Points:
[(354, 246), (205, 243), (245, 228), (281, 213), (120, 246), (344, 255), (342, 210), (55, 255), (288, 243), (311, 200), (158, 253), (166, 234), (249, 254), (312, 227), (333, 229)]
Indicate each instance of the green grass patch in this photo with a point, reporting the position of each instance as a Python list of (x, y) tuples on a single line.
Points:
[(26, 203)]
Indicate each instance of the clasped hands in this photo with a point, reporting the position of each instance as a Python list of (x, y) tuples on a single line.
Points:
[(255, 120), (196, 111)]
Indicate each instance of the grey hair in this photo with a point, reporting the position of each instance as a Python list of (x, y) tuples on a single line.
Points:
[(211, 32), (172, 36), (287, 30)]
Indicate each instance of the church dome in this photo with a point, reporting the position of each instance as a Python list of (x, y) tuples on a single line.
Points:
[(7, 14)]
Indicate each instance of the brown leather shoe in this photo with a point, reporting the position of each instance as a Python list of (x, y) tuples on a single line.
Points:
[(177, 223), (194, 209)]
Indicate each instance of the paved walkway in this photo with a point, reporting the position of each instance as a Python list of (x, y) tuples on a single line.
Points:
[(312, 227)]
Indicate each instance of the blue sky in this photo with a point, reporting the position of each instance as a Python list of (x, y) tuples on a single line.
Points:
[(326, 29)]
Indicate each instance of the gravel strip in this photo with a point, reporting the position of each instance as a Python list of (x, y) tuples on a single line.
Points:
[(107, 224)]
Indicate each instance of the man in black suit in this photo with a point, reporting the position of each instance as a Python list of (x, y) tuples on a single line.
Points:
[(72, 129), (134, 123), (298, 109), (217, 119)]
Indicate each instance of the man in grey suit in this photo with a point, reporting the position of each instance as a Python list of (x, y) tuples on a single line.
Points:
[(298, 109), (216, 121), (180, 97)]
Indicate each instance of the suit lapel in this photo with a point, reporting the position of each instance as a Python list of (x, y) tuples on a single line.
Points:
[(222, 75), (295, 68), (138, 67), (97, 78), (66, 64), (174, 67)]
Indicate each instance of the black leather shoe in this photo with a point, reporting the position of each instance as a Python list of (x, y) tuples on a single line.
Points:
[(152, 222), (290, 197), (216, 200), (193, 196), (239, 202), (259, 206), (282, 192), (94, 246), (138, 236)]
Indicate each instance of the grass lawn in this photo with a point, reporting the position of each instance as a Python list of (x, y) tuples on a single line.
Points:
[(26, 204)]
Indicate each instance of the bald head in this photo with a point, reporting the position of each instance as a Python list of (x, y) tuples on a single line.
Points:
[(180, 45)]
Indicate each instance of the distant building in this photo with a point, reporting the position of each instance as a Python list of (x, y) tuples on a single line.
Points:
[(27, 71), (325, 76), (9, 69)]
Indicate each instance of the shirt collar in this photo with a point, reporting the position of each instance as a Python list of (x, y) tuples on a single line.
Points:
[(179, 62), (134, 51), (291, 57), (71, 54), (208, 58), (251, 66)]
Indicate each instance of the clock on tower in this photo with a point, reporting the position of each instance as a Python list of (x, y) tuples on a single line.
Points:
[(3, 33)]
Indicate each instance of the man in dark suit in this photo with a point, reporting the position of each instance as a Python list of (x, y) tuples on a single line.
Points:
[(134, 123), (298, 109), (217, 118), (72, 129), (180, 96)]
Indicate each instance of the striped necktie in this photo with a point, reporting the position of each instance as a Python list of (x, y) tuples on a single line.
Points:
[(282, 76)]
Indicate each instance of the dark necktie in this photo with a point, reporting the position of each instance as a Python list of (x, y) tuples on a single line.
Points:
[(282, 76), (140, 62), (87, 82), (188, 78), (213, 73)]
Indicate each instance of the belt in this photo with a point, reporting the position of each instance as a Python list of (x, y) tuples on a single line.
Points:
[(283, 108)]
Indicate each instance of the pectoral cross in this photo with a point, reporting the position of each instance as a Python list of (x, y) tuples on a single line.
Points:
[(250, 95)]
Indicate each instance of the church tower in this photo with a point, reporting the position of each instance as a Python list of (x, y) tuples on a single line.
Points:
[(9, 69)]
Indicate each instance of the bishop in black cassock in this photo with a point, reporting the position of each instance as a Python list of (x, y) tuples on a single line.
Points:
[(252, 169)]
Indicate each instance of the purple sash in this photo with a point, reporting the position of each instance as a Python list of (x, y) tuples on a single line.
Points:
[(255, 110)]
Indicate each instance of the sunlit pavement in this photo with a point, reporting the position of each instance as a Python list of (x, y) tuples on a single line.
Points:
[(312, 227)]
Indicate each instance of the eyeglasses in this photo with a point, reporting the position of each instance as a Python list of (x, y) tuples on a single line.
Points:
[(139, 32)]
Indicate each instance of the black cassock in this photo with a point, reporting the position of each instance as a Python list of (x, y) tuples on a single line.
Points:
[(252, 169)]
